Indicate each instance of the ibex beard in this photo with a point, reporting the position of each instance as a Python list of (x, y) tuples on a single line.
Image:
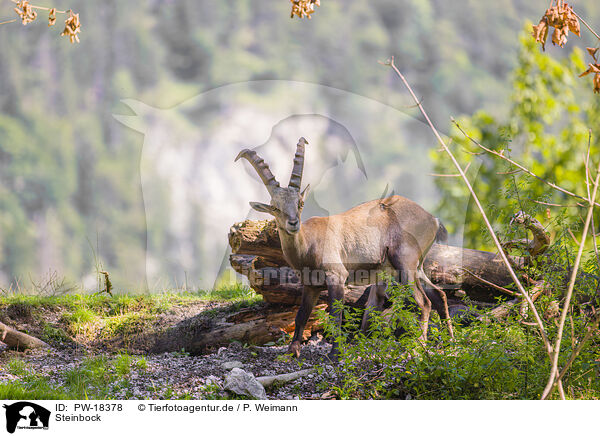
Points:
[(387, 234)]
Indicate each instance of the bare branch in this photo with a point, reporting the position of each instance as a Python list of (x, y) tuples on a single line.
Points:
[(521, 167), (451, 175), (553, 380), (493, 285), (587, 25), (557, 205), (509, 267)]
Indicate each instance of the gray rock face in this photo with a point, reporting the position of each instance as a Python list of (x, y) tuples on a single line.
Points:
[(244, 383)]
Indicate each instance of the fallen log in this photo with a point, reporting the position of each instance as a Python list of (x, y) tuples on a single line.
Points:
[(254, 325), (17, 340), (257, 255)]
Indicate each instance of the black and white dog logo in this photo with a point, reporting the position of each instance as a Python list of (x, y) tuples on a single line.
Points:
[(26, 415)]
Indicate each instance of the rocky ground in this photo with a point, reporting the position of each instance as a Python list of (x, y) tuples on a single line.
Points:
[(172, 375), (177, 375)]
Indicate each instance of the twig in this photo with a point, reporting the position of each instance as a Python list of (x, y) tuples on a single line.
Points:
[(587, 25), (510, 173), (451, 175), (512, 162), (493, 285), (43, 8), (522, 290), (591, 330), (557, 205), (7, 21), (553, 379), (587, 184), (573, 236)]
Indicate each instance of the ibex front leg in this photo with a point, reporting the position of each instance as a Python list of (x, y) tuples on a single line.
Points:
[(335, 289), (310, 296), (377, 296)]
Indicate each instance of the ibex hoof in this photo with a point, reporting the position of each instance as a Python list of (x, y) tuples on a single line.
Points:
[(294, 349)]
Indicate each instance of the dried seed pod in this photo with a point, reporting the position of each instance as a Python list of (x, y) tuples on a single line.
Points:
[(25, 11), (52, 17), (563, 18), (303, 8), (72, 27)]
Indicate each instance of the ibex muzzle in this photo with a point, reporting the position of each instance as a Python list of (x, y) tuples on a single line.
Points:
[(386, 234)]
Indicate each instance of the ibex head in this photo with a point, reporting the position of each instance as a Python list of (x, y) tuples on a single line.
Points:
[(286, 203)]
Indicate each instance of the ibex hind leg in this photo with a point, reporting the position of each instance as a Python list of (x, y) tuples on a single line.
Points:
[(438, 299), (436, 294), (407, 263)]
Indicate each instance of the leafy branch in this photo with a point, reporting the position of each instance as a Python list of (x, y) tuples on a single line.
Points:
[(553, 351), (555, 377)]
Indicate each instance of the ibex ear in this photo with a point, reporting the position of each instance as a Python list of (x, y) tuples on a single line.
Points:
[(261, 207), (304, 193)]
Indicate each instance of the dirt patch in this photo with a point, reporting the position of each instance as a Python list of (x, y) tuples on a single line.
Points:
[(177, 375), (167, 375)]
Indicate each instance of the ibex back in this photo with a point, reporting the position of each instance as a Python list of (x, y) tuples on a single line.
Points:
[(390, 234)]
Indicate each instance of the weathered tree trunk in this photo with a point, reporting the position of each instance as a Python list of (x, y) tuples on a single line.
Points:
[(256, 325), (18, 340), (461, 272), (257, 255)]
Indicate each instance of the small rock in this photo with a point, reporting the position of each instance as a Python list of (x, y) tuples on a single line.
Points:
[(232, 364), (244, 383), (316, 339)]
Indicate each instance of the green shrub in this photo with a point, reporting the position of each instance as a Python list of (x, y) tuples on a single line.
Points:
[(484, 361)]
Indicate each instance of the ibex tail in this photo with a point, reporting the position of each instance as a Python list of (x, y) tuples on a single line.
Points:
[(442, 233)]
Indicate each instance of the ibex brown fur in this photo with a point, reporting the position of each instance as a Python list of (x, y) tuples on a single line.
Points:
[(390, 234)]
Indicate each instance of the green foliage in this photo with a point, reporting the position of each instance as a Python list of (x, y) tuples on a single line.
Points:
[(70, 172), (546, 130), (99, 377), (41, 390), (122, 315), (17, 367), (231, 292), (127, 324), (79, 317), (51, 333), (83, 308), (484, 361)]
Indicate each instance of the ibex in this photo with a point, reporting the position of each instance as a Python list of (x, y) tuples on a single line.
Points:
[(389, 234)]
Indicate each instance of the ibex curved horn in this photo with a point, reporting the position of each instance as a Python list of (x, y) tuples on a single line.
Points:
[(261, 168), (296, 177)]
